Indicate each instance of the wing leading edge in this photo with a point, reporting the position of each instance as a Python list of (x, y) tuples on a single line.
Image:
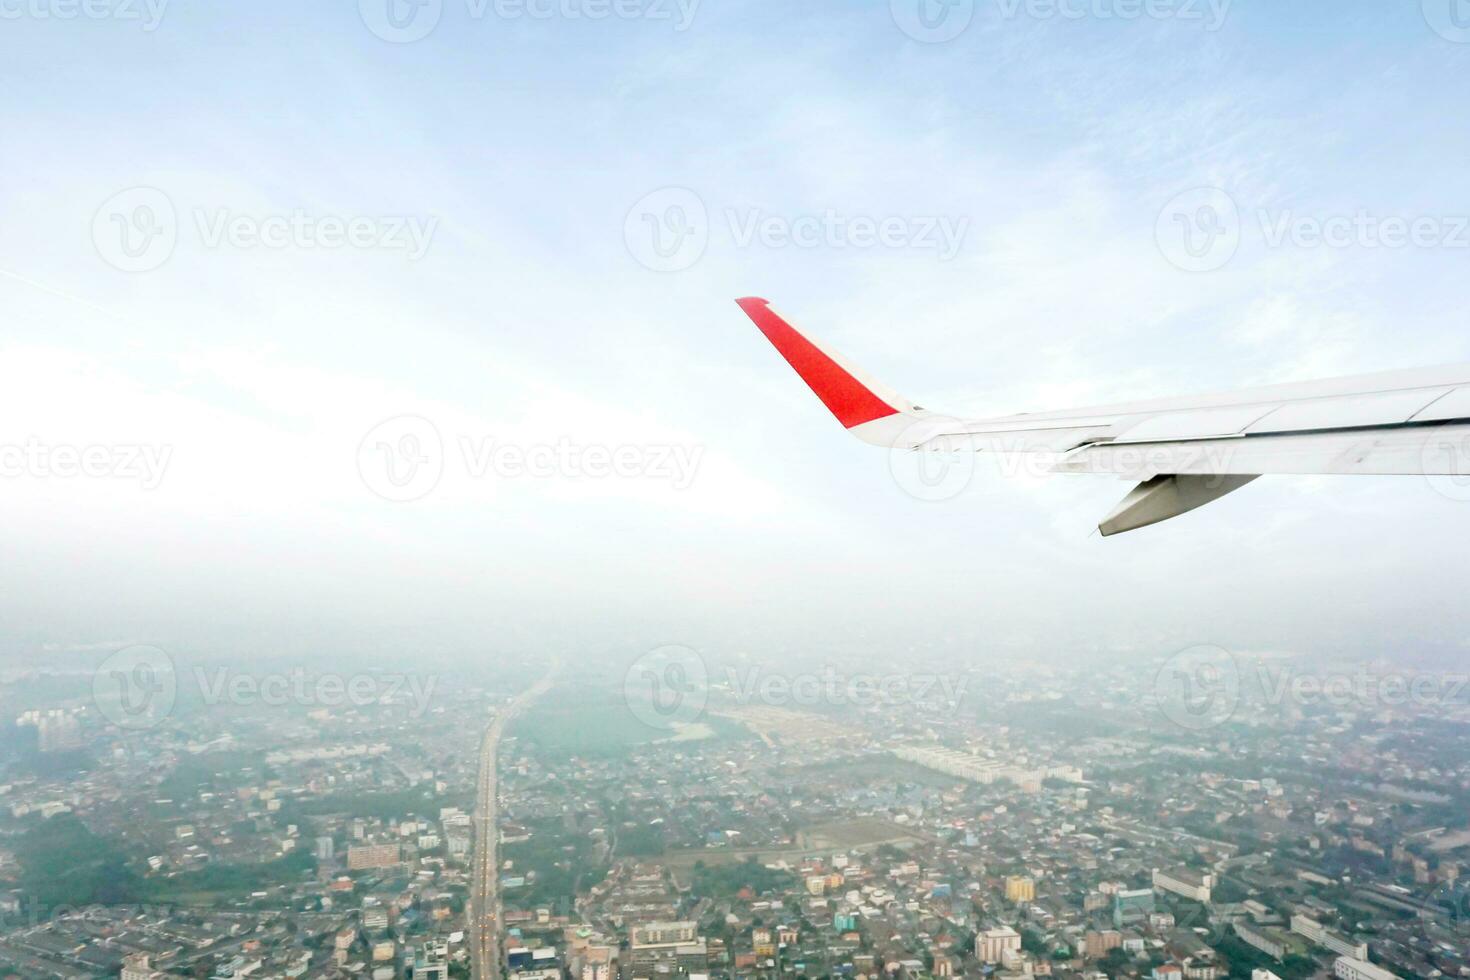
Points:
[(1184, 452)]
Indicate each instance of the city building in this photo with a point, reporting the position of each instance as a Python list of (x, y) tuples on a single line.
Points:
[(1347, 968), (1272, 942), (1097, 944), (57, 730), (992, 945), (139, 966), (370, 856), (658, 946), (646, 934), (1335, 941), (1185, 882), (1020, 888), (431, 961), (963, 765), (1132, 907), (599, 963)]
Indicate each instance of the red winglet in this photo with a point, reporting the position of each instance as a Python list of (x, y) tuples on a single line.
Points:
[(844, 395)]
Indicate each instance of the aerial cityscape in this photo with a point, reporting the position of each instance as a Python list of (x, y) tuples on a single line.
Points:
[(734, 490), (682, 818)]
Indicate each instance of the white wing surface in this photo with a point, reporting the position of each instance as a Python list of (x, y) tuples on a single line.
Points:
[(1184, 452)]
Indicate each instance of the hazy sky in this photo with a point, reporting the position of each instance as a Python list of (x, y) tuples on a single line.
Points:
[(460, 229)]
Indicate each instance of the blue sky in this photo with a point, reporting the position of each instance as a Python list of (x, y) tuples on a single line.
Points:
[(523, 145)]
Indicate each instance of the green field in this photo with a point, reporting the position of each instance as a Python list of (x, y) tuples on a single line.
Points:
[(578, 720), (63, 863)]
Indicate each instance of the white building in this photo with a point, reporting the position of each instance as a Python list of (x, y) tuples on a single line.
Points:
[(139, 966), (1321, 935), (992, 945), (1347, 968), (963, 765), (431, 961), (1186, 883), (647, 934)]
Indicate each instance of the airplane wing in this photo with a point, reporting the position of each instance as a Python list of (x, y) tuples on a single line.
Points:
[(1185, 452)]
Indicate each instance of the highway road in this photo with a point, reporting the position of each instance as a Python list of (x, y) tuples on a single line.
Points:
[(484, 908)]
